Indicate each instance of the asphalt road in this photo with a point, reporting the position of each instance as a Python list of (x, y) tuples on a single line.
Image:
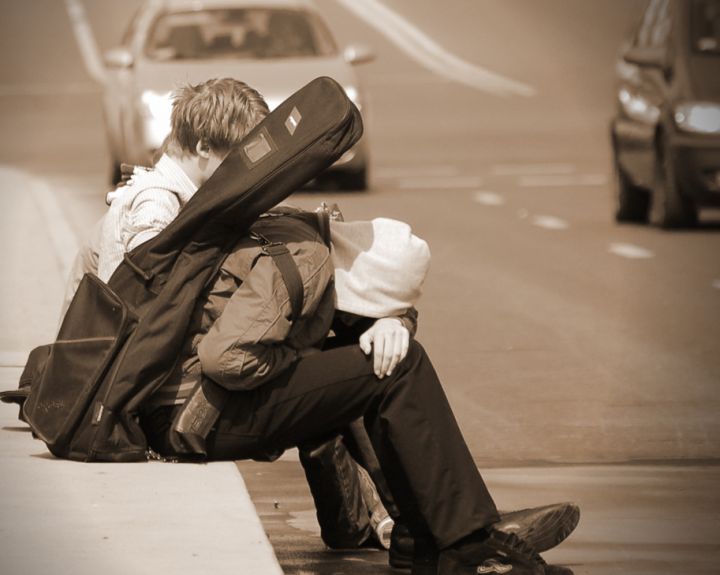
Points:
[(559, 335), (634, 519)]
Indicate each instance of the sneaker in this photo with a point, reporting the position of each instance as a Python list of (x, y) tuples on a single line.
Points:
[(541, 527), (420, 556), (498, 553), (402, 547), (383, 531), (425, 558)]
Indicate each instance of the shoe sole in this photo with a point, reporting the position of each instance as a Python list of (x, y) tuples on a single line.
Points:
[(543, 527), (498, 553)]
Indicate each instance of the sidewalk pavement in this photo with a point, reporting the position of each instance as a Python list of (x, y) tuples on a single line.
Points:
[(60, 516), (65, 517)]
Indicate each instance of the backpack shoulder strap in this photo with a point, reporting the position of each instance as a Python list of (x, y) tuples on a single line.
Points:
[(285, 263)]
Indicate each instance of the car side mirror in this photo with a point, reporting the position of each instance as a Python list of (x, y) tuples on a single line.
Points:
[(648, 58), (358, 54), (118, 58)]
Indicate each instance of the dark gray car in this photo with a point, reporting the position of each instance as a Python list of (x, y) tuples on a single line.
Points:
[(666, 134)]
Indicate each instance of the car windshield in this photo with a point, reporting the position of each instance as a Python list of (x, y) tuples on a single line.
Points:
[(253, 33), (706, 26)]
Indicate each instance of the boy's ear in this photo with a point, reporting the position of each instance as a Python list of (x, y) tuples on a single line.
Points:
[(202, 149)]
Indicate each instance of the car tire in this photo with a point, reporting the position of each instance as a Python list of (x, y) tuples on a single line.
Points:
[(115, 173), (632, 202), (670, 209), (357, 180)]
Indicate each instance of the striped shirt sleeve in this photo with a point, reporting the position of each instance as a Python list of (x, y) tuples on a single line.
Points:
[(151, 212)]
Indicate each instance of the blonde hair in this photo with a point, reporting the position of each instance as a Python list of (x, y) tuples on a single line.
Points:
[(220, 112)]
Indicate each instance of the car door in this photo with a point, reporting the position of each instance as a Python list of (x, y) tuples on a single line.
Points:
[(643, 87)]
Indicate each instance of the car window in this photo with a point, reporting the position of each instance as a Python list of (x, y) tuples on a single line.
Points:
[(705, 26), (238, 33), (655, 26)]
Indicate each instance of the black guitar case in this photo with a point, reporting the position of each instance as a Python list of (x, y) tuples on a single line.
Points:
[(120, 341)]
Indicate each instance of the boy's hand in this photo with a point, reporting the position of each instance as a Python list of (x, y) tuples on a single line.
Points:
[(389, 339)]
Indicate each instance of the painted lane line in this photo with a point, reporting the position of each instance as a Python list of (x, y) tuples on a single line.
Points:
[(440, 183), (630, 251), (429, 54), (555, 181), (533, 169), (85, 40), (488, 199), (550, 223), (409, 172)]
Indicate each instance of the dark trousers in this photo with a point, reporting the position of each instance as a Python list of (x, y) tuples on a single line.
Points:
[(338, 489), (425, 460)]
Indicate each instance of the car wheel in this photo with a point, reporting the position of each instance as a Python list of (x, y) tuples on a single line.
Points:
[(115, 173), (633, 202), (357, 180), (670, 207)]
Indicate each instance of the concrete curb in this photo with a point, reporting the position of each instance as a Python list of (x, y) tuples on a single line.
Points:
[(62, 517)]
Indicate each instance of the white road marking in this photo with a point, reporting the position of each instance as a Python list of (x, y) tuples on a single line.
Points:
[(429, 54), (410, 171), (630, 251), (556, 181), (716, 284), (85, 40), (440, 183), (532, 169), (488, 199), (550, 223)]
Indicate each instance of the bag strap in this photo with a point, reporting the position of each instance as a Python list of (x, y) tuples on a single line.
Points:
[(199, 413), (323, 225), (285, 263), (325, 214)]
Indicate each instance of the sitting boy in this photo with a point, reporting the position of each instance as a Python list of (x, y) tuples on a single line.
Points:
[(207, 121), (279, 390)]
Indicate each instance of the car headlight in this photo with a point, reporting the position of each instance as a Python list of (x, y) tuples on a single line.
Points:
[(353, 95), (156, 108), (698, 117), (157, 104), (638, 108), (273, 102)]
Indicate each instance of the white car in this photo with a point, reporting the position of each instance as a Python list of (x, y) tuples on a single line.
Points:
[(275, 46)]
